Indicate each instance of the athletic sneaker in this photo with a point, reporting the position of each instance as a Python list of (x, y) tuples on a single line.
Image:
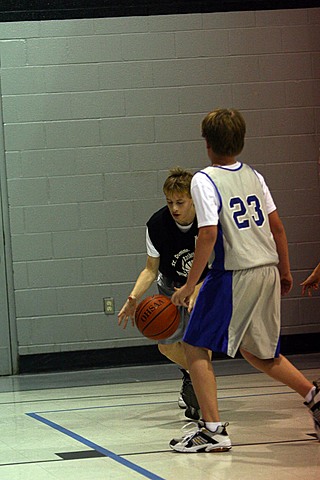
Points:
[(200, 439), (314, 407), (189, 397)]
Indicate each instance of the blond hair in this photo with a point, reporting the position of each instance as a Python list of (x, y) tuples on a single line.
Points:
[(178, 181)]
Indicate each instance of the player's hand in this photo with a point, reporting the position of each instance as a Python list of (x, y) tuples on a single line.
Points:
[(128, 312), (193, 297), (286, 283), (181, 296), (311, 283)]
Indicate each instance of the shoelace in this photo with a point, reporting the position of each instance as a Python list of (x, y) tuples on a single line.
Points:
[(189, 430)]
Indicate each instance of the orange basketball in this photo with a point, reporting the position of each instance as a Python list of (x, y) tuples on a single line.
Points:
[(157, 318)]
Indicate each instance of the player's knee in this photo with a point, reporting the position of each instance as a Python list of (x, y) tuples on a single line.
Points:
[(247, 355), (165, 349)]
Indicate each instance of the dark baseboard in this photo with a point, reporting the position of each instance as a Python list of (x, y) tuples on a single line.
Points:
[(26, 10), (138, 356)]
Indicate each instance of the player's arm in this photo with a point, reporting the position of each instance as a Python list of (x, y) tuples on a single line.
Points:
[(143, 283), (280, 239), (312, 282), (205, 243)]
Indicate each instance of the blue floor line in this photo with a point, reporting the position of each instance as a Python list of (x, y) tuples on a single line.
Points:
[(98, 448)]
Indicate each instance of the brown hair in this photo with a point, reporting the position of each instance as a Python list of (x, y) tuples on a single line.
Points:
[(178, 181), (224, 131)]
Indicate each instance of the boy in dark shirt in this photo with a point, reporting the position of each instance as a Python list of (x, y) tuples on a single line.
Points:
[(170, 238)]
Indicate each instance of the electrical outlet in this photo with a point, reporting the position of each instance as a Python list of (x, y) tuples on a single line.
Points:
[(108, 304)]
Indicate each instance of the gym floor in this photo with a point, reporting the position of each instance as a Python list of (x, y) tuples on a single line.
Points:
[(116, 424)]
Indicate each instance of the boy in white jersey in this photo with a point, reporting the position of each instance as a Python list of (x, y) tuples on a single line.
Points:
[(238, 307)]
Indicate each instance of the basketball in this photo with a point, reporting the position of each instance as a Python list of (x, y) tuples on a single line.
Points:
[(157, 318)]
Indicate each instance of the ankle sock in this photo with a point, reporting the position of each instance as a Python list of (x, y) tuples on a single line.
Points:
[(212, 426), (310, 395)]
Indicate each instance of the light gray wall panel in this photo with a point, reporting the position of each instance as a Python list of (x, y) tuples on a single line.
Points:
[(32, 246), (74, 133), (229, 20), (253, 41), (28, 191), (197, 99), (105, 214), (13, 53), (302, 229), (308, 255), (121, 241), (23, 80), (289, 66), (302, 176), (79, 188), (54, 273), (80, 244), (117, 75), (259, 95), (300, 39), (70, 78), (151, 101), (111, 269), (51, 218), (35, 303), (24, 136), (282, 149), (179, 72), (233, 69), (97, 111), (148, 46), (206, 43)]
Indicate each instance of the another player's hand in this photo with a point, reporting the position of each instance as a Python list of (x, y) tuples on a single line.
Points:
[(181, 296), (193, 297), (128, 311), (311, 283), (286, 283)]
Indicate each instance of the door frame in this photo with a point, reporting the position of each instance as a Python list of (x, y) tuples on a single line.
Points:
[(8, 327)]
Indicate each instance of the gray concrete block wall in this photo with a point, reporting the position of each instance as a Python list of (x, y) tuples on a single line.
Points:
[(95, 113)]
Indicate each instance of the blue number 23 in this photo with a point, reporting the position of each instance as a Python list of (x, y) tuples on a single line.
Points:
[(240, 210)]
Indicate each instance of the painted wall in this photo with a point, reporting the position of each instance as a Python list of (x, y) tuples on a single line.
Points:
[(96, 111)]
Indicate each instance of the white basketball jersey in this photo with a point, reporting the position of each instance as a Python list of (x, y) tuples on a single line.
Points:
[(244, 236)]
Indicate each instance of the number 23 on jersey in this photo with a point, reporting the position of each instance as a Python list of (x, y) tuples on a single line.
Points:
[(247, 211)]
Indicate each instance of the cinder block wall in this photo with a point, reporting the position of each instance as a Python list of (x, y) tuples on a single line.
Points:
[(96, 111)]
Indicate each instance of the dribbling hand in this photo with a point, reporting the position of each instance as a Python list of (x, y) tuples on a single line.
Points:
[(128, 312)]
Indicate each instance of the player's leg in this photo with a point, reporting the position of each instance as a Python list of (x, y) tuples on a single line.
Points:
[(187, 398), (204, 381), (210, 435), (174, 352), (173, 349), (283, 371)]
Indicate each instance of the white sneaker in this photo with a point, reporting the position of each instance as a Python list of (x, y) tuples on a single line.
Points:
[(314, 407), (200, 439)]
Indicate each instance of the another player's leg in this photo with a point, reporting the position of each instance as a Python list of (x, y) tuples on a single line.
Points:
[(187, 398), (210, 435), (283, 371), (192, 409)]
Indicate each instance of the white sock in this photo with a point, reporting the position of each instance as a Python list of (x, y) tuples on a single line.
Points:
[(309, 395), (212, 426)]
